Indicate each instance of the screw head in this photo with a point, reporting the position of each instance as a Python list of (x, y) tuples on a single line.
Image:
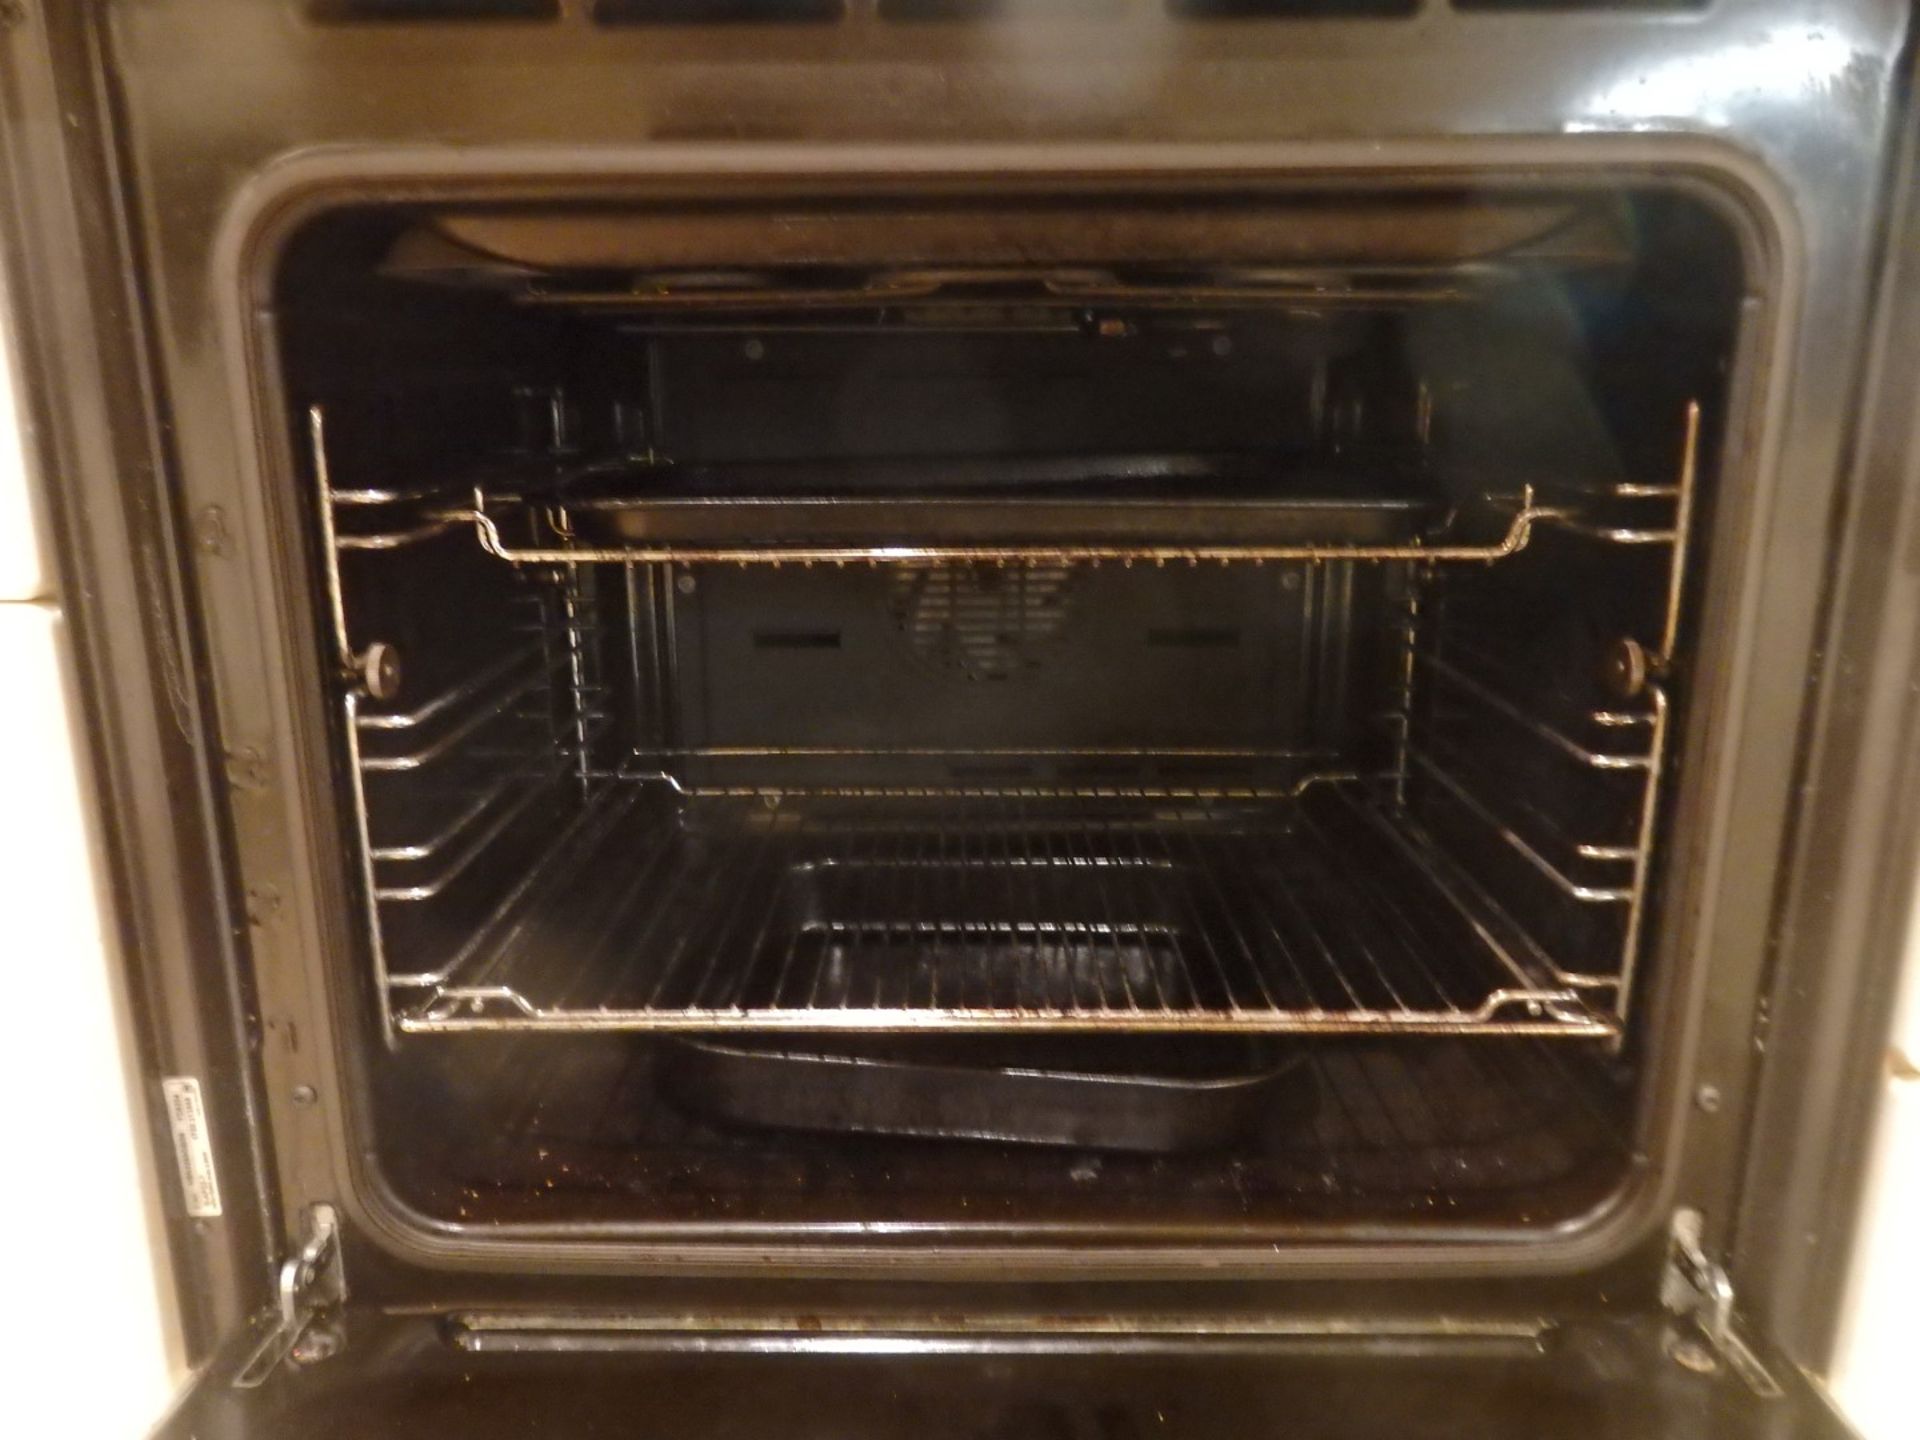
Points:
[(1626, 668), (1707, 1097), (319, 1341), (304, 1095), (247, 768), (683, 582), (263, 903), (210, 526), (1691, 1354), (380, 671)]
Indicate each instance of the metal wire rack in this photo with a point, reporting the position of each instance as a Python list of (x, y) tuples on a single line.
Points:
[(561, 548), (1317, 907), (1177, 528), (668, 911)]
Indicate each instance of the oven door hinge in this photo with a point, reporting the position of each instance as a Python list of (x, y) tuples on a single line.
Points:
[(310, 1287), (1697, 1288)]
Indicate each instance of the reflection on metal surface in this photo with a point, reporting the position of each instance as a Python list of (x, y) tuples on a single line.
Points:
[(1788, 65)]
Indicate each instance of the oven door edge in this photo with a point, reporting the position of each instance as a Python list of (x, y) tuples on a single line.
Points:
[(1857, 854), (404, 1375)]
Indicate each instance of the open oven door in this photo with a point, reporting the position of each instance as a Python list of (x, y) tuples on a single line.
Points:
[(413, 1375)]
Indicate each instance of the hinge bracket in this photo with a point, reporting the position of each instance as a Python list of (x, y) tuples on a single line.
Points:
[(311, 1285), (1698, 1288)]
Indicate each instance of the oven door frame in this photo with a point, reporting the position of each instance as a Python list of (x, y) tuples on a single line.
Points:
[(401, 1378), (292, 826)]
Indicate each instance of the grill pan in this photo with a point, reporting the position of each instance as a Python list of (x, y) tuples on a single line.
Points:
[(1149, 1095)]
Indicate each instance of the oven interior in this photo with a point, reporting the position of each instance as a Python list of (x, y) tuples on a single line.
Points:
[(1061, 715)]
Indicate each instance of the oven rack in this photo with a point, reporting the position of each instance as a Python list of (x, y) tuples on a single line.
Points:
[(1527, 992), (556, 528), (555, 537), (663, 909), (552, 512)]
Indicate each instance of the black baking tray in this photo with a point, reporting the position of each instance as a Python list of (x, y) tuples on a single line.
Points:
[(1145, 500), (1151, 1094)]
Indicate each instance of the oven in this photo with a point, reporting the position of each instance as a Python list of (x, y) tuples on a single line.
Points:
[(991, 719)]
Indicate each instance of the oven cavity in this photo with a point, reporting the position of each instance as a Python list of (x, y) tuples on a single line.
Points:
[(840, 687)]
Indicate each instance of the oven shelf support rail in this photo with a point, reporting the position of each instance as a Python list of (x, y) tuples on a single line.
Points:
[(1638, 674), (486, 522), (477, 714)]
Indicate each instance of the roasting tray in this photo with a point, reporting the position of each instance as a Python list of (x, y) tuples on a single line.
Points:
[(1144, 1094), (1017, 500)]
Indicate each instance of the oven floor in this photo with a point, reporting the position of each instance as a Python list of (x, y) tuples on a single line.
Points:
[(534, 1129), (1322, 912)]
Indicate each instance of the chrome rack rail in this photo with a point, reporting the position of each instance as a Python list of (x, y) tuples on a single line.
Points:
[(486, 523), (1639, 673), (471, 717), (1636, 673), (486, 515)]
